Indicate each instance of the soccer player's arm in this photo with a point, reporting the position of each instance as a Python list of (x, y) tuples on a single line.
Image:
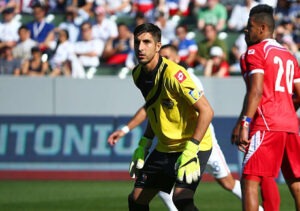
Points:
[(236, 129), (296, 94), (187, 164), (136, 120), (253, 96)]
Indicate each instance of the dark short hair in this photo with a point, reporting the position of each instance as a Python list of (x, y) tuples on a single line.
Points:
[(23, 27), (66, 33), (8, 10), (263, 13), (86, 23), (150, 28), (170, 46), (35, 49)]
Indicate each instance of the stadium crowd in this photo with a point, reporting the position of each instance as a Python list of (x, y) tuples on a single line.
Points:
[(96, 34)]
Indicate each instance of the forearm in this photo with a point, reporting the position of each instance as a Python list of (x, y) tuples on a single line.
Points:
[(137, 119)]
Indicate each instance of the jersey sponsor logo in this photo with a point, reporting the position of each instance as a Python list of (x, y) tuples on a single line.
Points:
[(195, 94), (251, 51), (180, 76)]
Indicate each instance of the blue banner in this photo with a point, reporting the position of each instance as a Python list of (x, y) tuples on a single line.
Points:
[(80, 143)]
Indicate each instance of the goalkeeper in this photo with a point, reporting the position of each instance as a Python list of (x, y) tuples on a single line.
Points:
[(178, 115)]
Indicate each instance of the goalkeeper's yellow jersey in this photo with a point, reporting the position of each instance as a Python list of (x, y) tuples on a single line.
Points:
[(170, 93)]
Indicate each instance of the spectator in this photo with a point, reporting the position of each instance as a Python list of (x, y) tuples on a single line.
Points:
[(239, 47), (282, 10), (177, 7), (89, 50), (139, 19), (36, 65), (216, 66), (61, 61), (296, 31), (9, 29), (23, 48), (8, 64), (117, 50), (239, 16), (210, 39), (215, 13), (147, 7), (167, 27), (187, 47), (271, 3), (41, 31), (294, 9), (118, 8), (104, 28), (26, 7), (4, 4), (71, 24), (84, 8), (57, 6), (285, 38)]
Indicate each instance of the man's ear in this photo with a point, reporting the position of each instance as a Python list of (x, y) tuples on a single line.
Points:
[(158, 46), (263, 28)]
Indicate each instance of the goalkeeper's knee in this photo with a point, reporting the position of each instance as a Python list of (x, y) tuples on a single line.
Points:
[(185, 204), (133, 206)]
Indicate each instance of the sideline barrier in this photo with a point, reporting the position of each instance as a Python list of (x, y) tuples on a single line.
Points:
[(75, 147)]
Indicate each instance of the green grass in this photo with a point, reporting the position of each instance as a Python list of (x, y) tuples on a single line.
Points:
[(107, 196)]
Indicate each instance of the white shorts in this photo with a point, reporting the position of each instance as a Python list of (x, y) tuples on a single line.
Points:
[(216, 164)]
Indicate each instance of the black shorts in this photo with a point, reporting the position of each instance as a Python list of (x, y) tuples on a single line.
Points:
[(159, 172)]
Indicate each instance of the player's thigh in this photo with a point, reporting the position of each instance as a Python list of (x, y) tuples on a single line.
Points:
[(143, 196), (265, 153), (291, 160), (216, 164), (158, 172)]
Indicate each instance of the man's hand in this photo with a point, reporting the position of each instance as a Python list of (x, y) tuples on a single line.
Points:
[(187, 165), (243, 143), (139, 155), (235, 134), (115, 137)]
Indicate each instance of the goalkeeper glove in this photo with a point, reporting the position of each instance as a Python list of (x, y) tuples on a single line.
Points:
[(188, 164), (139, 155)]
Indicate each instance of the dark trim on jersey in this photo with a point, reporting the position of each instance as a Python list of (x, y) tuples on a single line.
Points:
[(145, 80), (158, 90)]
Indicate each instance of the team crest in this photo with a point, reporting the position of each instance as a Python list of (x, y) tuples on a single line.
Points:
[(180, 76), (251, 51), (195, 94)]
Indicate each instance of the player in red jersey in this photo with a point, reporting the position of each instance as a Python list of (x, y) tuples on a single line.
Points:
[(269, 125), (270, 199)]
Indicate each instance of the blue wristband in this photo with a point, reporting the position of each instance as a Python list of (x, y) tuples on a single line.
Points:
[(246, 119)]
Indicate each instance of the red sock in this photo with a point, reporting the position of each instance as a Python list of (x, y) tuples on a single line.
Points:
[(270, 194)]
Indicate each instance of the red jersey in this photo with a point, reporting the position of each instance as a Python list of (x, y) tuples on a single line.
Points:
[(275, 111)]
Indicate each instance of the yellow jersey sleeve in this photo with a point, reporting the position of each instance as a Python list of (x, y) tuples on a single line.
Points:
[(180, 81)]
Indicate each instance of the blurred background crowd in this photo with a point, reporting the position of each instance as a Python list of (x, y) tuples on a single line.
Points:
[(84, 38)]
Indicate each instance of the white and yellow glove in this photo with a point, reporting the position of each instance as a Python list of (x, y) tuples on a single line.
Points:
[(188, 164), (139, 155)]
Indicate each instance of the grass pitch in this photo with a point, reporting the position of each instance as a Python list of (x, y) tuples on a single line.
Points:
[(107, 196)]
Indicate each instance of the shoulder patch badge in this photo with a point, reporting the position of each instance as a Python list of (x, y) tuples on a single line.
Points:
[(251, 51), (180, 76), (195, 94)]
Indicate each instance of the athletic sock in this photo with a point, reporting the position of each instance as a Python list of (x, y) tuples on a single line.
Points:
[(167, 199), (237, 189), (270, 194)]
